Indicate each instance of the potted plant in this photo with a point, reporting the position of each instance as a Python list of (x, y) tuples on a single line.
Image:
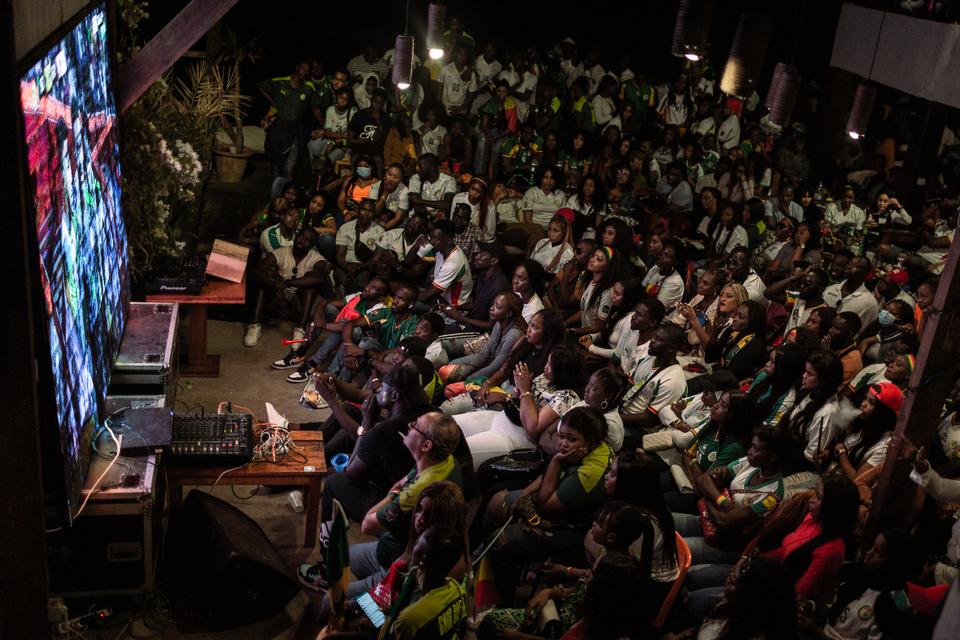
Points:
[(230, 52)]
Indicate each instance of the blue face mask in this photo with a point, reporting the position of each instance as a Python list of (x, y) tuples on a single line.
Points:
[(886, 319), (363, 172)]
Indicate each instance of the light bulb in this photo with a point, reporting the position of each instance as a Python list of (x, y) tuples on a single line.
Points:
[(693, 57), (854, 135), (436, 54), (403, 86)]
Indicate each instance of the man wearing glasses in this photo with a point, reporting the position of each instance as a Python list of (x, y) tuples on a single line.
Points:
[(431, 440)]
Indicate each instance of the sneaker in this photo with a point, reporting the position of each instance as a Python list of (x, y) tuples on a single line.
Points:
[(313, 575), (289, 361), (252, 336), (302, 374), (275, 417)]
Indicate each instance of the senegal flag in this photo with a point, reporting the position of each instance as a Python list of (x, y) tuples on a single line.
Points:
[(337, 558)]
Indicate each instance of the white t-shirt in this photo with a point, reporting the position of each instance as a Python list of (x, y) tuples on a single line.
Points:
[(431, 139), (753, 283), (654, 389), (444, 185), (290, 268), (728, 136), (545, 253), (394, 240), (771, 209), (821, 429), (337, 122), (399, 199), (861, 302), (599, 310), (603, 110), (737, 238), (543, 205), (584, 209), (875, 455), (532, 307), (670, 287), (760, 498), (836, 217), (347, 236), (452, 276), (455, 88), (486, 71), (436, 354)]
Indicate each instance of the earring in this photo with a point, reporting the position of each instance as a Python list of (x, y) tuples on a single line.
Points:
[(603, 405)]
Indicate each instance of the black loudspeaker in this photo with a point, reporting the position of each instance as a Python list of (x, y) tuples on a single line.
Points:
[(220, 571)]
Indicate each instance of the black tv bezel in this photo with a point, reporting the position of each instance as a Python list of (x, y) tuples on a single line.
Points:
[(60, 499)]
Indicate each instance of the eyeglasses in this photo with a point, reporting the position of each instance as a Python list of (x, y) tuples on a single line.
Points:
[(413, 425)]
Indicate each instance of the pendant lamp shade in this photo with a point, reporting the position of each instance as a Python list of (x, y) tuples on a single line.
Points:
[(436, 20), (746, 55), (403, 61), (860, 111), (782, 95), (691, 32)]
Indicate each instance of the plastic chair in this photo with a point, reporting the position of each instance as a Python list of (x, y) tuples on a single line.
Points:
[(684, 560)]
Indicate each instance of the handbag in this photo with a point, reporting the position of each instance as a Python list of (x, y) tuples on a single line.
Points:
[(711, 535), (514, 470)]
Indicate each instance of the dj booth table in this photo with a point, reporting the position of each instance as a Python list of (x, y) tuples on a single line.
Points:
[(293, 471), (199, 363)]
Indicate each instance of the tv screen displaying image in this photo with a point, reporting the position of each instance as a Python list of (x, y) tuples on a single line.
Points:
[(73, 159)]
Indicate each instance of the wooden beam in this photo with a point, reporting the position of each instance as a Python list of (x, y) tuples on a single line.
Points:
[(937, 365), (174, 40), (23, 555)]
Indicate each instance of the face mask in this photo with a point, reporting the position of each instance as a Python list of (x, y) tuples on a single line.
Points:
[(363, 172), (886, 319)]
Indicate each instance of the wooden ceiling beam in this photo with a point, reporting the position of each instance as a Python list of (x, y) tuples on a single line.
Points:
[(174, 40)]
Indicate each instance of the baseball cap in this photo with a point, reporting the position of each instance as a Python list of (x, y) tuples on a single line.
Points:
[(413, 346), (888, 394), (404, 380)]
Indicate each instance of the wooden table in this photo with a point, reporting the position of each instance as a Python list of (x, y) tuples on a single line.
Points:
[(199, 363), (293, 471)]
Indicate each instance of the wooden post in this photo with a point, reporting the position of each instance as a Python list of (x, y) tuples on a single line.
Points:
[(158, 55), (23, 555), (937, 364)]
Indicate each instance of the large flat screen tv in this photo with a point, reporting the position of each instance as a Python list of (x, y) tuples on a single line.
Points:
[(72, 150)]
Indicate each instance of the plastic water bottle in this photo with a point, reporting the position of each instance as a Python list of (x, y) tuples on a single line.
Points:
[(295, 500)]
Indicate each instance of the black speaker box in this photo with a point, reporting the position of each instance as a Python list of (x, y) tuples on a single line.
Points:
[(220, 571)]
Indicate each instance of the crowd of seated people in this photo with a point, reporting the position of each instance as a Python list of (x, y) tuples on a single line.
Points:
[(613, 314)]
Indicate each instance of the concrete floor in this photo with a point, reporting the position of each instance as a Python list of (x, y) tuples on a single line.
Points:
[(247, 380)]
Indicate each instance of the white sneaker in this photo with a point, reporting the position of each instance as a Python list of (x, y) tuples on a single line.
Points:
[(252, 336), (275, 417)]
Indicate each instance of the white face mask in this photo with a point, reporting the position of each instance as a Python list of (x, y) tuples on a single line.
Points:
[(363, 172), (886, 319)]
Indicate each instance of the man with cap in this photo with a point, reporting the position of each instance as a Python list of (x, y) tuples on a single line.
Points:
[(431, 441), (378, 457), (474, 318)]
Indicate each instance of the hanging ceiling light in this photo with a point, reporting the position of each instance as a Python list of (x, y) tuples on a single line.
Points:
[(782, 95), (436, 20), (692, 29), (746, 55), (860, 111), (403, 61)]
